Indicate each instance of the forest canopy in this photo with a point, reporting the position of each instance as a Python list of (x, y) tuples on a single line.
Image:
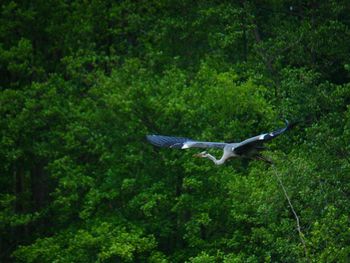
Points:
[(83, 82)]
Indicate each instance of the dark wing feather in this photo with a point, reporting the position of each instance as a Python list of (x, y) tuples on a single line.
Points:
[(167, 141), (181, 143), (251, 143)]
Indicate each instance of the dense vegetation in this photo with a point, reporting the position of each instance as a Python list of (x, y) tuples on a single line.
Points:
[(83, 82)]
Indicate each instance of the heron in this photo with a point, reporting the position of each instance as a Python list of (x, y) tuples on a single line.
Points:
[(248, 148)]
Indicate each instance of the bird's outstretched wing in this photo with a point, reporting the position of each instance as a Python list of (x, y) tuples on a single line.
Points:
[(247, 145), (181, 143)]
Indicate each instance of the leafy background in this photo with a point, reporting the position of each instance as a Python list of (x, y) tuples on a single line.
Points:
[(83, 82)]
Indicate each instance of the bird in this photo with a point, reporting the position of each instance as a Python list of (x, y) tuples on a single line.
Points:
[(248, 148)]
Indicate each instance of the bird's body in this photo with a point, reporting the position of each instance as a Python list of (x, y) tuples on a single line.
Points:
[(248, 148)]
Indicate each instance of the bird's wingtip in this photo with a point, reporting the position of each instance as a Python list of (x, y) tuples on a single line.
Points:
[(290, 125), (149, 137)]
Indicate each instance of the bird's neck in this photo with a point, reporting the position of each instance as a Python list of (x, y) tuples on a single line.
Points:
[(217, 162)]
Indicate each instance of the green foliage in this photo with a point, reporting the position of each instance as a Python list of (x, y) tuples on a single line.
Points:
[(81, 85), (103, 242)]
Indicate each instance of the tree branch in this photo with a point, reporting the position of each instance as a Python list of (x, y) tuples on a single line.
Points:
[(301, 234)]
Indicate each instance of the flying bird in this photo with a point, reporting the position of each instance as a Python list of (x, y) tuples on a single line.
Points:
[(248, 148)]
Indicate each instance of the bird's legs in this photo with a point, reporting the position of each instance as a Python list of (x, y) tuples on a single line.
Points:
[(263, 158), (262, 148)]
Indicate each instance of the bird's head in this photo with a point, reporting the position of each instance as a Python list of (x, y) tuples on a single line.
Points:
[(201, 155)]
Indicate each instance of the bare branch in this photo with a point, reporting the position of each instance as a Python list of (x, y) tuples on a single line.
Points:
[(301, 234)]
